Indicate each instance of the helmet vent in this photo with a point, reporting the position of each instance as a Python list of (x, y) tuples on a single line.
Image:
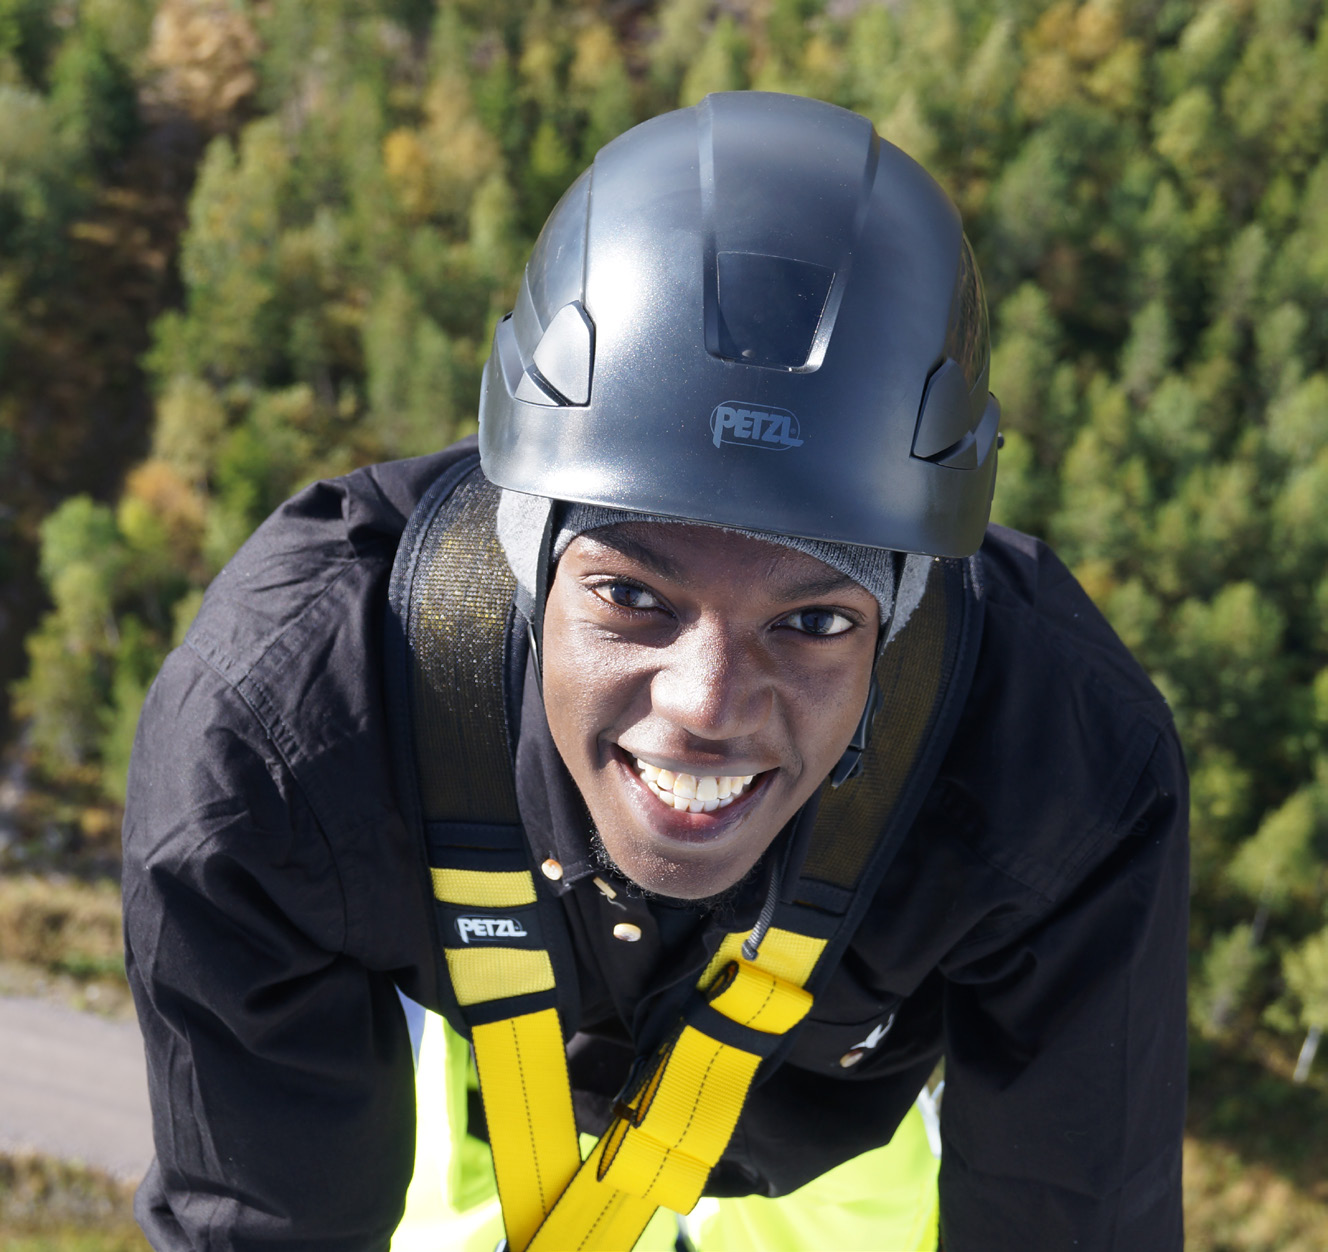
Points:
[(952, 431), (769, 309), (566, 353)]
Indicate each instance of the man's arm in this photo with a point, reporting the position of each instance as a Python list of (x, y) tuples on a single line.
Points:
[(279, 1067), (1066, 1062)]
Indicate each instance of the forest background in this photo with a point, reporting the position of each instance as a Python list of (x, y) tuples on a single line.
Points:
[(248, 244)]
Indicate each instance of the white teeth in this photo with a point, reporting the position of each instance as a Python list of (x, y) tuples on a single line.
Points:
[(693, 793)]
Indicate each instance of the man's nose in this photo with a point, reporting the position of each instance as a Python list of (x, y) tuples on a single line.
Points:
[(713, 683)]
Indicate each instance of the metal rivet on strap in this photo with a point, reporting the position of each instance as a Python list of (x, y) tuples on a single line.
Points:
[(852, 1057), (627, 932), (551, 869)]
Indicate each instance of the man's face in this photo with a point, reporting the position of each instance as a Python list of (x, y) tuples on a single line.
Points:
[(686, 650)]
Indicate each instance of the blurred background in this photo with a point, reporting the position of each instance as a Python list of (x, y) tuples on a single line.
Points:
[(248, 243)]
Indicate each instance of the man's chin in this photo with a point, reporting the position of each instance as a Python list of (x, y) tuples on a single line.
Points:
[(655, 877)]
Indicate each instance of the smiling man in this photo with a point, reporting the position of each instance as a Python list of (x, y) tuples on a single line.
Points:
[(700, 686), (696, 755)]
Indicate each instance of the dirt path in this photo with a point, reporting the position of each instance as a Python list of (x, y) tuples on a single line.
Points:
[(73, 1085)]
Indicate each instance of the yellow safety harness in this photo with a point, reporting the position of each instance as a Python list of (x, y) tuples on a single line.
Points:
[(506, 952)]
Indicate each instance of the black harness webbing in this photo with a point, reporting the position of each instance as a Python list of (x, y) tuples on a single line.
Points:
[(508, 974)]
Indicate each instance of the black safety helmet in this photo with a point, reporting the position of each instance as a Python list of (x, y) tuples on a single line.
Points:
[(753, 312)]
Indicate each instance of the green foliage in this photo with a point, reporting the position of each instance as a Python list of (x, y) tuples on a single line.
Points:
[(412, 381), (39, 187), (720, 63), (679, 37), (235, 328), (1145, 187), (1307, 978), (67, 685), (27, 36), (1224, 981), (123, 26), (115, 578), (1283, 859), (94, 98)]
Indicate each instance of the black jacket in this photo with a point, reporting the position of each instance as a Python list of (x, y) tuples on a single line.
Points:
[(1032, 927)]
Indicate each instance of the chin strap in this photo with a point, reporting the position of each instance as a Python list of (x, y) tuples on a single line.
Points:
[(850, 764), (543, 569)]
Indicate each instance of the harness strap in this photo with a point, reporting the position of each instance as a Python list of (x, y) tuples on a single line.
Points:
[(449, 644), (680, 1112), (519, 1054), (506, 954)]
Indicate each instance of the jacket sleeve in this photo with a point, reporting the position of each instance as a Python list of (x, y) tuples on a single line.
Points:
[(279, 1067), (1066, 1060)]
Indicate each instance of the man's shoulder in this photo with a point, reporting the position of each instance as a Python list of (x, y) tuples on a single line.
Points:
[(317, 558), (291, 630), (1062, 732), (1038, 612)]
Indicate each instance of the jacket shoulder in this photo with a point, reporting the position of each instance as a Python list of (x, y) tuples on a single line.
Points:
[(335, 534), (1064, 739), (1033, 598), (294, 624)]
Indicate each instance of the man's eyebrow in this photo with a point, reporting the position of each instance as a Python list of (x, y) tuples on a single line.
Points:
[(642, 553), (830, 583)]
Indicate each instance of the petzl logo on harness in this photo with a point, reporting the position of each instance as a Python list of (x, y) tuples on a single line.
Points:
[(775, 430), (489, 928)]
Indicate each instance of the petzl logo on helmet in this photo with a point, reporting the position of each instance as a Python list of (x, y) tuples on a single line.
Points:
[(775, 430), (489, 928)]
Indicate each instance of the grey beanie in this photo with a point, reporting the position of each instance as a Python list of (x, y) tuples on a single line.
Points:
[(521, 520)]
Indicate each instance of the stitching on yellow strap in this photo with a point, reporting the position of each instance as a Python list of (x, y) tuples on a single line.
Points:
[(662, 1147), (481, 974), (519, 1060), (481, 889), (591, 1216), (755, 998)]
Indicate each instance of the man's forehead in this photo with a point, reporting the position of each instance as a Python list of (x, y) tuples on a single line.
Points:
[(664, 548)]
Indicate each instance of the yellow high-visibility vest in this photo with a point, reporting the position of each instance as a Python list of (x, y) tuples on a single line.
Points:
[(882, 1201)]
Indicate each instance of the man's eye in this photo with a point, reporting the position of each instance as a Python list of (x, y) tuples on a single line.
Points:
[(819, 622), (626, 595)]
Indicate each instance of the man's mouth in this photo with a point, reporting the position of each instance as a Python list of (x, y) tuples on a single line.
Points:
[(692, 793)]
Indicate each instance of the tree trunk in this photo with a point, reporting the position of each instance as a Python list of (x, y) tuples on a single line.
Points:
[(1307, 1051)]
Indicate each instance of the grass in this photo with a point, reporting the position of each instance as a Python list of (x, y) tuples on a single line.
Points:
[(65, 929), (53, 1206), (1254, 1177), (1237, 1205)]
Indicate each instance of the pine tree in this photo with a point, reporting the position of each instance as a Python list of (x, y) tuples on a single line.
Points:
[(1306, 972)]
